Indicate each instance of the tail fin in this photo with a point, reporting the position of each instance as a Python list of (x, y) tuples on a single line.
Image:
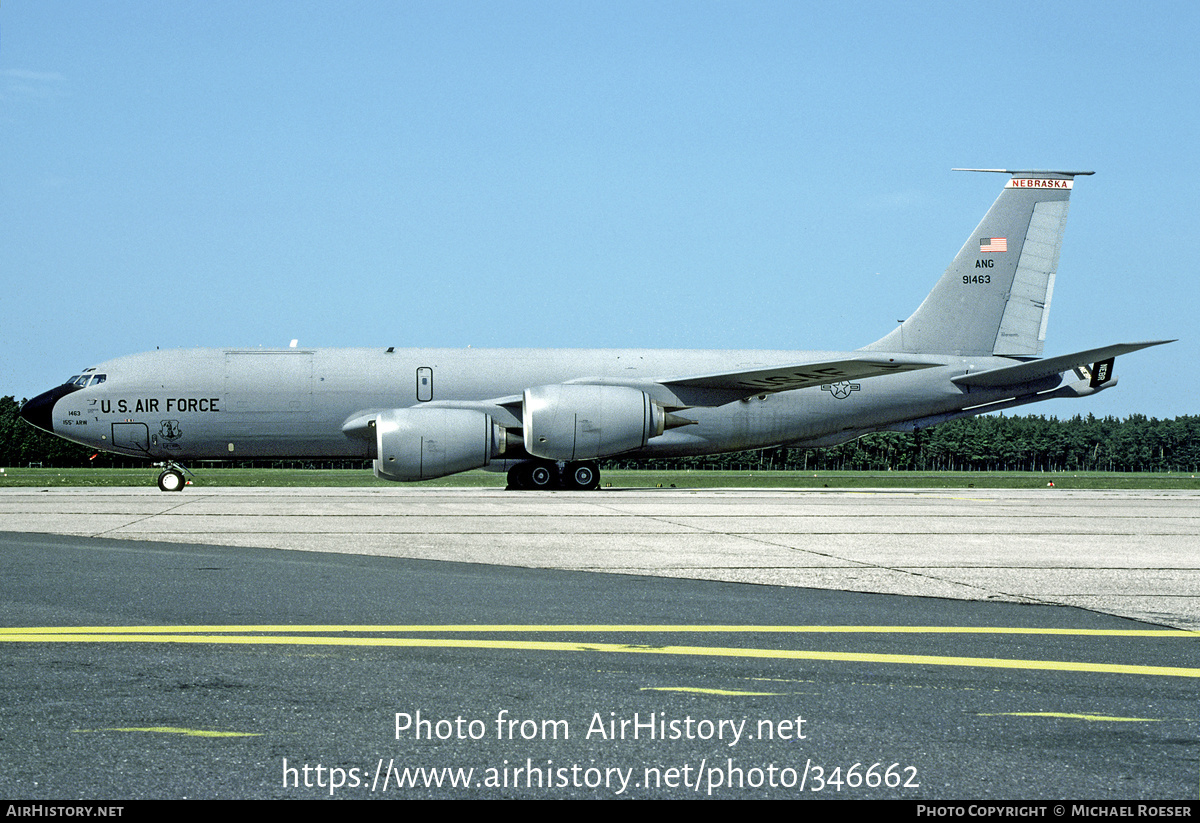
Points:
[(994, 299)]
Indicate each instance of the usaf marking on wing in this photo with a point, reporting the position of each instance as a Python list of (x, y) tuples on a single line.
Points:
[(973, 346)]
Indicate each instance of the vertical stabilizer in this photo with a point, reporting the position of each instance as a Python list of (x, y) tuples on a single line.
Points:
[(994, 299)]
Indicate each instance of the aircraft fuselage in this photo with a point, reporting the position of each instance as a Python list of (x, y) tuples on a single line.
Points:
[(203, 404)]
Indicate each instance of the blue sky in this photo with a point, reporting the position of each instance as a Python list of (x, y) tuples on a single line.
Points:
[(580, 174)]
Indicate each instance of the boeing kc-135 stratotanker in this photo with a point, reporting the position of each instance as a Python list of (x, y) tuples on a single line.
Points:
[(546, 416)]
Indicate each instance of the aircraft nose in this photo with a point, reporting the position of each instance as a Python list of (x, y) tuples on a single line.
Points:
[(39, 411)]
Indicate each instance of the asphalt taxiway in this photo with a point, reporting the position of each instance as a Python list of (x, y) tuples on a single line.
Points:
[(1129, 553)]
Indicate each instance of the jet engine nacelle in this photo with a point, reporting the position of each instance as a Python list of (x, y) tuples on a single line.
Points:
[(582, 422), (423, 443)]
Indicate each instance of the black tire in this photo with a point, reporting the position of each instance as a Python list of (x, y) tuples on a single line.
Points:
[(171, 481), (582, 476), (516, 477)]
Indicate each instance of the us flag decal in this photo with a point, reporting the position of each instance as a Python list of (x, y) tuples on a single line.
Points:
[(993, 244)]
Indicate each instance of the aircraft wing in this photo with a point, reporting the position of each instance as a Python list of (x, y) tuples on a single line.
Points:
[(1037, 369), (725, 387)]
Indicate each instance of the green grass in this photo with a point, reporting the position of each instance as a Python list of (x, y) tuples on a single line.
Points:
[(51, 478)]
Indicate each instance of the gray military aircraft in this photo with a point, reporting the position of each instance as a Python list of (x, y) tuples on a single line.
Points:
[(546, 416)]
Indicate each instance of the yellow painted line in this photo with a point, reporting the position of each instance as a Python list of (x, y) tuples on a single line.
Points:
[(174, 730), (722, 692), (601, 628), (617, 648), (1069, 716)]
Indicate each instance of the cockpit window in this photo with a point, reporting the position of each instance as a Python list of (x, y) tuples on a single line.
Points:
[(81, 380)]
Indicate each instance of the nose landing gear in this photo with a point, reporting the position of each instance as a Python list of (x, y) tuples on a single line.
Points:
[(171, 478)]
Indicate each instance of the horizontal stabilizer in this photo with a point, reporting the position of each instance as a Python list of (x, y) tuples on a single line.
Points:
[(1036, 369), (718, 389), (1033, 172)]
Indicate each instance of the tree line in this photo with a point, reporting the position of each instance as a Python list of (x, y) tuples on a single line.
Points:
[(1031, 443)]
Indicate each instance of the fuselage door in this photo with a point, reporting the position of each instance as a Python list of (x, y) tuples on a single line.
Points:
[(268, 381), (424, 384), (131, 437)]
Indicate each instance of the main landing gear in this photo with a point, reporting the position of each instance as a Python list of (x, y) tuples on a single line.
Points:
[(171, 478), (546, 474)]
